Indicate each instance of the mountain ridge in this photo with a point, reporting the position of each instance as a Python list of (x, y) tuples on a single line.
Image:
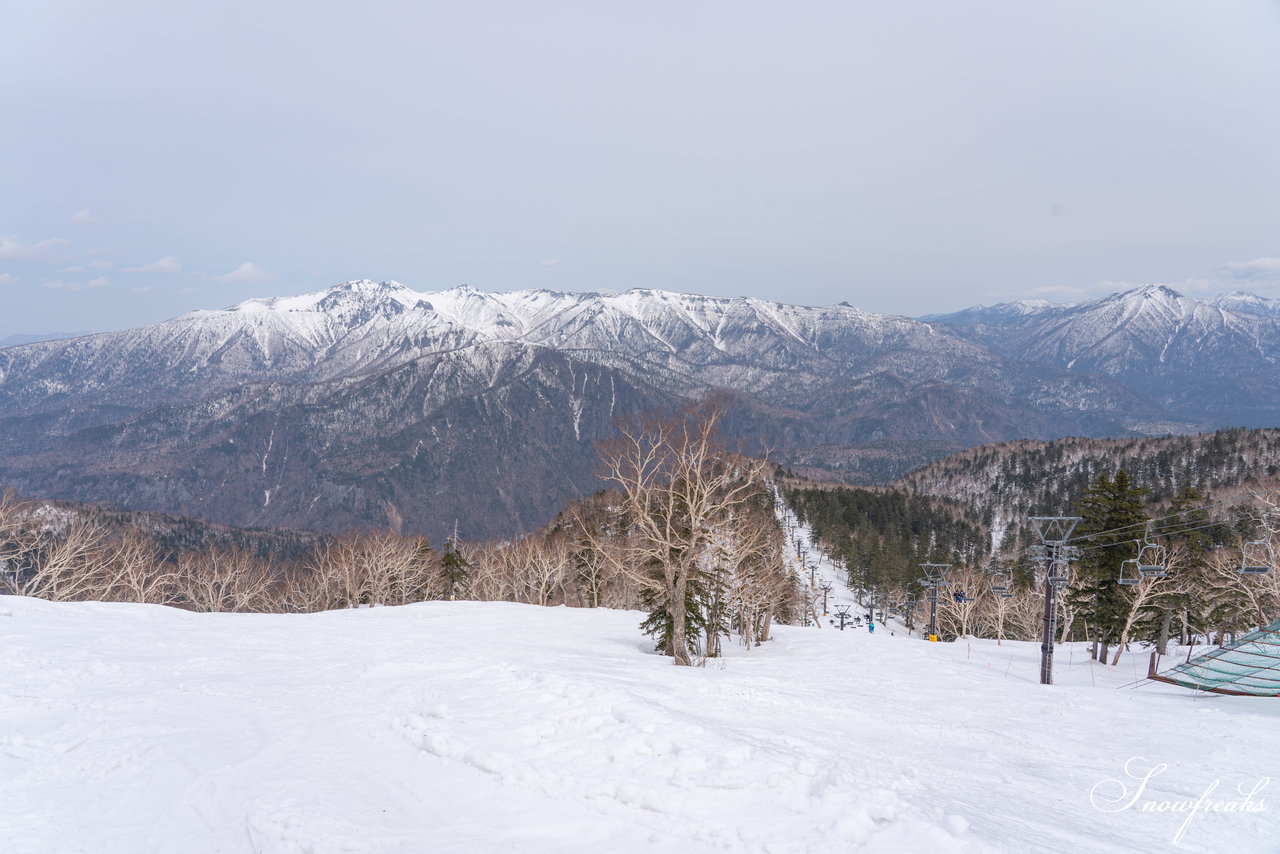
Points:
[(396, 403)]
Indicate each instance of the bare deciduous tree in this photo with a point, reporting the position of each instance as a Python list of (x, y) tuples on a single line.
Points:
[(678, 487)]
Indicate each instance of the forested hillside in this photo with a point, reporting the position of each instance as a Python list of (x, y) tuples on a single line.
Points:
[(1196, 511), (174, 535), (1011, 480)]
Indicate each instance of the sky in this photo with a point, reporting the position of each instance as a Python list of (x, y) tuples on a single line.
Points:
[(906, 157)]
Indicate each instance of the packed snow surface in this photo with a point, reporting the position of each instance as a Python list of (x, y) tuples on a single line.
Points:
[(470, 727)]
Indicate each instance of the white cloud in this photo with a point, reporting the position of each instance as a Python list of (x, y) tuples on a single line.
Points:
[(1265, 269), (247, 273), (145, 290), (7, 279), (74, 268), (76, 287), (187, 291), (83, 217), (550, 262), (101, 265), (167, 264), (14, 248)]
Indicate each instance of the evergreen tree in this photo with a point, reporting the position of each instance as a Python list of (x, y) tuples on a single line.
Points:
[(661, 626), (1188, 527), (453, 567), (1111, 516)]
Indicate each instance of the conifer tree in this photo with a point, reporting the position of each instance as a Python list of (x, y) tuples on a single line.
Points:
[(453, 567), (1111, 516)]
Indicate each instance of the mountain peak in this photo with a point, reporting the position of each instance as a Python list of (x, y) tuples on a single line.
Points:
[(369, 286), (1155, 292)]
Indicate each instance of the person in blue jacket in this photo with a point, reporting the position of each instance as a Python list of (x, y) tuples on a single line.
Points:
[(871, 627)]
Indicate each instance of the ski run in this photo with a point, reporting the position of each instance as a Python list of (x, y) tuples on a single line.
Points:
[(491, 727)]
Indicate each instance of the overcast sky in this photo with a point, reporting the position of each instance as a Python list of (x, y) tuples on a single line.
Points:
[(906, 157)]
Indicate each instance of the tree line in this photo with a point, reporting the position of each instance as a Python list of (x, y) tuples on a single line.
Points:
[(686, 531)]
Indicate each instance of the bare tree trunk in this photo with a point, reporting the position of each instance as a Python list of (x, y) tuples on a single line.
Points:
[(679, 639), (1162, 641)]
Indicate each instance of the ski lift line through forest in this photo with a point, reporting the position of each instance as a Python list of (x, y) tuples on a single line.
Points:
[(1140, 527), (1259, 562), (1201, 507), (1172, 532)]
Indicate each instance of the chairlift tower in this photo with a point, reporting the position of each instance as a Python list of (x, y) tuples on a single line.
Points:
[(842, 612), (826, 588), (1053, 531), (935, 576)]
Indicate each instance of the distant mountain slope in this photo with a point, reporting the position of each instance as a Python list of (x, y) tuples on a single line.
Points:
[(1185, 355), (372, 404)]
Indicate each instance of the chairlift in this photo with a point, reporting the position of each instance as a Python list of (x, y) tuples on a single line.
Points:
[(1000, 581), (1130, 572), (1151, 560), (1059, 572), (1256, 558)]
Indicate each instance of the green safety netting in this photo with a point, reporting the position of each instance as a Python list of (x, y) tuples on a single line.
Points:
[(1248, 665)]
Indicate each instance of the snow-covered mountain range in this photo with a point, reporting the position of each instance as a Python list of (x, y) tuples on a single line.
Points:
[(370, 403)]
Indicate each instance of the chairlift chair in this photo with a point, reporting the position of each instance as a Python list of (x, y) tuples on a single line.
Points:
[(1151, 560), (1000, 580), (1130, 572), (1059, 572), (1256, 558), (1002, 585)]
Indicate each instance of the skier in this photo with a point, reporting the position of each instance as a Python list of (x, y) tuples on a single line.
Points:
[(871, 627)]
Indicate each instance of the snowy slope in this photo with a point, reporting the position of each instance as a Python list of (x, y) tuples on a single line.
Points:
[(1146, 330), (1243, 302), (465, 727)]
